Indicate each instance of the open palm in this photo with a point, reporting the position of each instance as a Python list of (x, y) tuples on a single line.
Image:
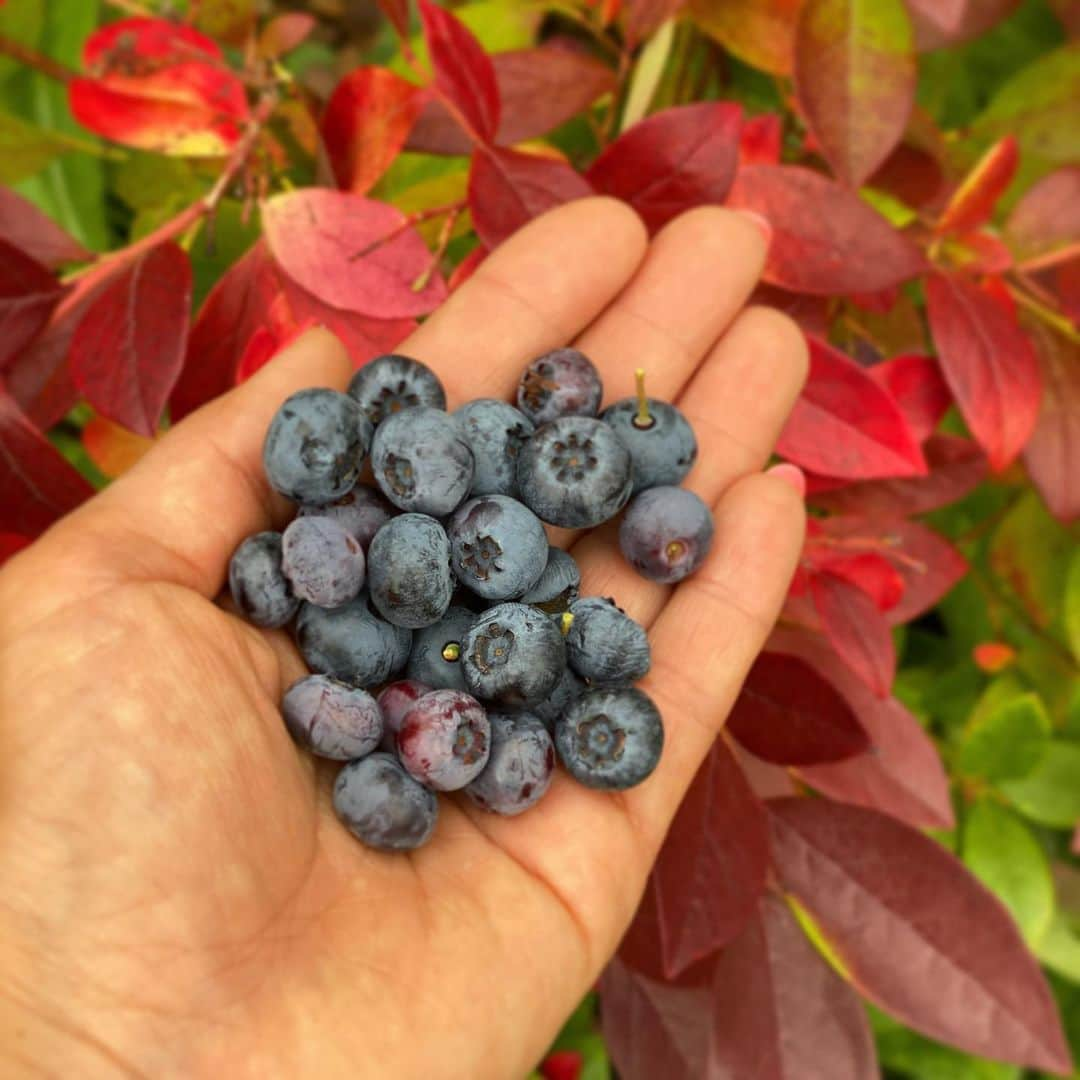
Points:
[(179, 898)]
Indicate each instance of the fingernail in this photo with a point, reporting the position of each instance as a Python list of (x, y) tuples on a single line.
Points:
[(759, 222), (792, 475)]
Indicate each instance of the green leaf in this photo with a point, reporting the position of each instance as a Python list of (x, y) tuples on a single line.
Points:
[(144, 181), (1006, 743), (25, 149), (1072, 606), (21, 21), (219, 245), (1004, 855), (1050, 793), (889, 207), (1059, 949)]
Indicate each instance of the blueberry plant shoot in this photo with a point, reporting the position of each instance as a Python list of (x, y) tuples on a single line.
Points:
[(874, 872)]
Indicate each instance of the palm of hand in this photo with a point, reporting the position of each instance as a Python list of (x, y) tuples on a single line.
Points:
[(185, 897)]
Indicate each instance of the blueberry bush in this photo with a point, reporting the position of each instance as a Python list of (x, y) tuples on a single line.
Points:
[(875, 871)]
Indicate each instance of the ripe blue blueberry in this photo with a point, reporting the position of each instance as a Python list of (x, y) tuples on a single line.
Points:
[(382, 805), (610, 738), (520, 765), (514, 655), (662, 449), (394, 701), (498, 546), (390, 383), (604, 645), (563, 382), (421, 461), (574, 472), (258, 585), (316, 445), (666, 534), (558, 586), (409, 571), (567, 690), (436, 651), (444, 740), (495, 432), (351, 643), (324, 562), (362, 512), (332, 719)]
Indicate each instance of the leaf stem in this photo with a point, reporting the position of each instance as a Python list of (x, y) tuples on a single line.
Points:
[(31, 58), (1059, 322), (408, 222)]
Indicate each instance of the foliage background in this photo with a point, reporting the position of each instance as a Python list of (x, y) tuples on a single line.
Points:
[(984, 640)]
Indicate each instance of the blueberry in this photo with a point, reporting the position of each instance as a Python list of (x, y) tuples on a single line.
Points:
[(332, 719), (514, 655), (563, 382), (436, 652), (421, 461), (610, 739), (662, 450), (495, 432), (324, 562), (394, 701), (409, 571), (666, 534), (382, 805), (390, 383), (258, 585), (575, 472), (568, 689), (558, 586), (315, 446), (444, 740), (498, 546), (520, 766), (362, 512), (350, 643), (604, 645)]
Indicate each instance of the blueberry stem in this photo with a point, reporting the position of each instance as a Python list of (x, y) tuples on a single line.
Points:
[(643, 419), (566, 622)]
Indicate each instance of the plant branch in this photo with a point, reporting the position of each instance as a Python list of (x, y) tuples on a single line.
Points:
[(31, 58), (1048, 315), (452, 209)]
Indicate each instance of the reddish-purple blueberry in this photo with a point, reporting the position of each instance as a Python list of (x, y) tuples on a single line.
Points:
[(444, 740)]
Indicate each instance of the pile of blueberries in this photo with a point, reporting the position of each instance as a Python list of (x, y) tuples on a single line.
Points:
[(440, 576)]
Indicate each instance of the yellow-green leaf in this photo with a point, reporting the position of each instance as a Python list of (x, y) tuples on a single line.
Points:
[(24, 149), (1050, 793), (1006, 743)]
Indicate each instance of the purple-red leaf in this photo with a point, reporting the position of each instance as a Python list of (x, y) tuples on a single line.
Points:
[(640, 18), (950, 22), (352, 253), (464, 74), (855, 75), (919, 935), (24, 226), (28, 295), (508, 188), (972, 203), (988, 362), (840, 246), (844, 424), (672, 161), (711, 869), (779, 1010), (1046, 221), (788, 714), (918, 388), (397, 11), (36, 484), (128, 349)]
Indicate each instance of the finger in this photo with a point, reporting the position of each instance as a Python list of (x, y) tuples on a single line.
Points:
[(535, 293), (737, 403)]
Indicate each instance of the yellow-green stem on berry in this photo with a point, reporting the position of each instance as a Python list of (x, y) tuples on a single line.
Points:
[(566, 622)]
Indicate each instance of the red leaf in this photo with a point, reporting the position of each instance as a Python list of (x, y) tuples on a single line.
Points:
[(397, 11), (788, 714), (974, 200), (508, 188), (672, 161), (920, 936), (779, 1011), (856, 629), (979, 253), (235, 308), (128, 349), (950, 22), (911, 174), (283, 33), (28, 295), (1045, 220), (366, 122), (869, 571), (842, 246), (989, 364), (993, 656), (711, 869), (810, 312), (904, 775), (24, 226), (845, 424), (766, 780), (855, 75), (1052, 455), (760, 140), (161, 86), (351, 252), (540, 89), (916, 385), (641, 18), (11, 544), (562, 1065), (37, 485), (464, 74), (759, 32)]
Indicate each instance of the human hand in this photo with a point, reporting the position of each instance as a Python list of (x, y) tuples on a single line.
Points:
[(179, 899)]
